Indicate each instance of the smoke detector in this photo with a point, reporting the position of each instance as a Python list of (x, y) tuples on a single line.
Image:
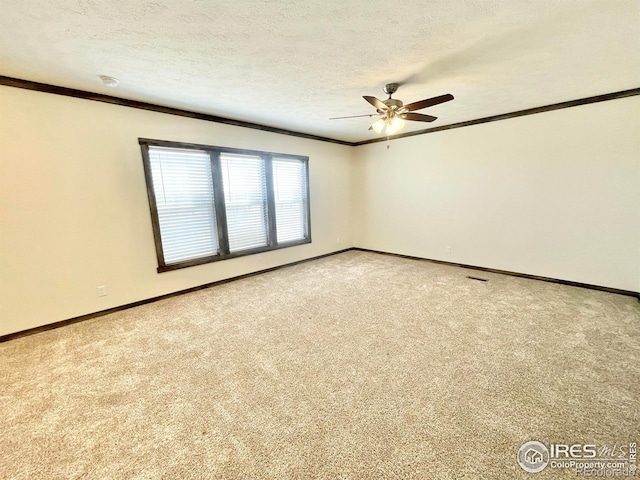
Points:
[(109, 81)]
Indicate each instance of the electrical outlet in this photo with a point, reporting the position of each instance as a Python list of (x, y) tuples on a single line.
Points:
[(448, 249), (338, 240), (102, 290)]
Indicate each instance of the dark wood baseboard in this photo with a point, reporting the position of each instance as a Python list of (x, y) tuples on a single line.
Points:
[(62, 323), (88, 316), (617, 291)]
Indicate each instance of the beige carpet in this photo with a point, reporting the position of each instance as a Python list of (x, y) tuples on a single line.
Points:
[(354, 366)]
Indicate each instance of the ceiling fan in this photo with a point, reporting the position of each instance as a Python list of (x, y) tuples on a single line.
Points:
[(392, 113)]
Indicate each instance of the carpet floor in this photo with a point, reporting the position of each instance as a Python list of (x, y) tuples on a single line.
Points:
[(354, 366)]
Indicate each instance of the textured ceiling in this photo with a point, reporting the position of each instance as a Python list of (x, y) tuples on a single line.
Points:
[(293, 64)]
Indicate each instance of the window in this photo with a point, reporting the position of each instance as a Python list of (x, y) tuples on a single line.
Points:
[(245, 196), (290, 190), (213, 203), (183, 187)]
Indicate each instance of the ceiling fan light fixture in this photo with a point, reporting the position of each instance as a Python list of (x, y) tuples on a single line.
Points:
[(379, 125), (392, 112), (394, 125)]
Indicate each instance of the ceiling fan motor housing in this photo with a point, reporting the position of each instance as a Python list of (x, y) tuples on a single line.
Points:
[(392, 102), (391, 88)]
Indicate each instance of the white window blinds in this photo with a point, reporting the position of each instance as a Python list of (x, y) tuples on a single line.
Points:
[(214, 203), (245, 194), (183, 187), (290, 192)]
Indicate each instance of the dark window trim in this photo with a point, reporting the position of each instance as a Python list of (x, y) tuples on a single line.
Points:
[(153, 207), (272, 232), (220, 206), (306, 166), (220, 209), (219, 258)]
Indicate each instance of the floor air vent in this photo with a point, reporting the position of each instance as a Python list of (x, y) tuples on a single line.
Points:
[(479, 279)]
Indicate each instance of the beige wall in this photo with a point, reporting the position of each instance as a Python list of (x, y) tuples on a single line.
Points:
[(555, 194), (74, 212)]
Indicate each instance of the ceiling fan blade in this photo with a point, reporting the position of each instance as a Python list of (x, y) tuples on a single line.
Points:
[(428, 102), (352, 116), (375, 102), (418, 117)]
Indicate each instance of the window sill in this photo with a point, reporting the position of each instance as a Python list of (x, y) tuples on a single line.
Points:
[(218, 258)]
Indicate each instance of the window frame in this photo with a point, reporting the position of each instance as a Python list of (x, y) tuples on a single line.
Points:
[(219, 202)]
